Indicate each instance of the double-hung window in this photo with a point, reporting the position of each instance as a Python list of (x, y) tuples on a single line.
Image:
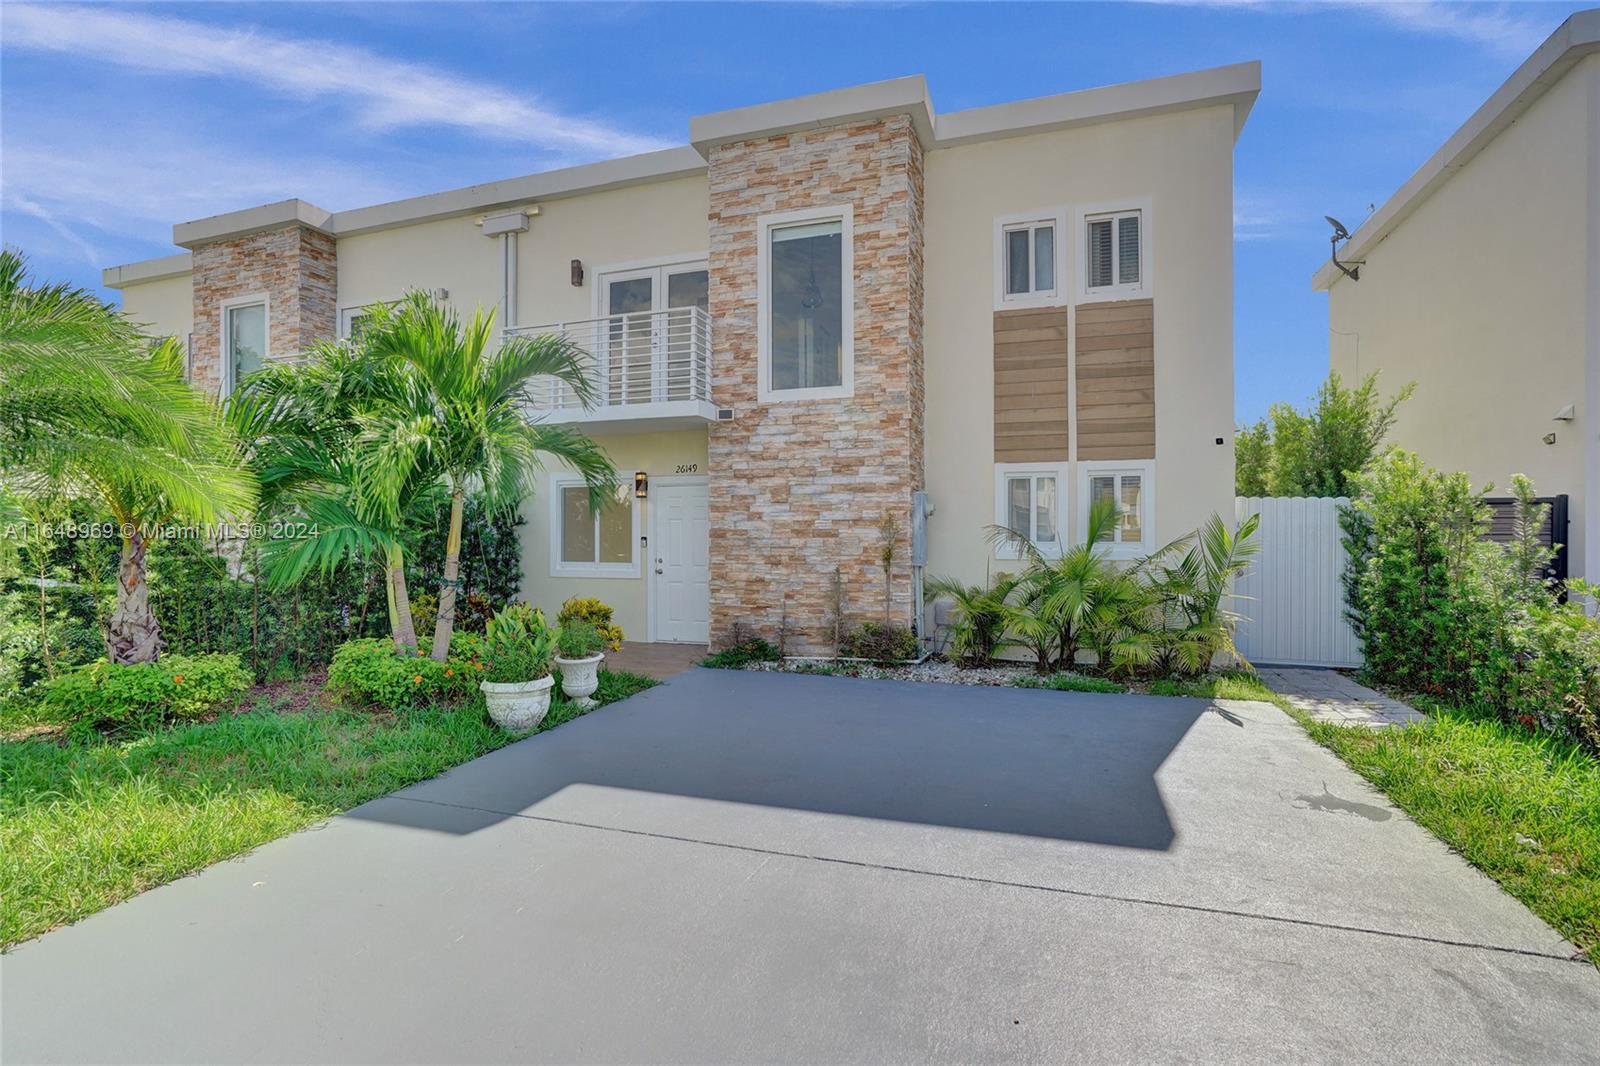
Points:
[(1129, 488), (805, 286), (1027, 259), (592, 541), (244, 339), (1114, 260), (1028, 501)]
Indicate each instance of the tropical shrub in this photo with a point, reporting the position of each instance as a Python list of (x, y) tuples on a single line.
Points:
[(1315, 452), (370, 671), (106, 695), (1443, 611), (597, 614), (578, 639), (518, 645), (882, 642), (1191, 590), (978, 629), (751, 649)]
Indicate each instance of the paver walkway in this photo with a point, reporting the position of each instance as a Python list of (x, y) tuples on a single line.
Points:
[(754, 867), (659, 661), (1329, 696)]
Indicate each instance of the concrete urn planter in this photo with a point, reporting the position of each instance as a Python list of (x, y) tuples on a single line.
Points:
[(517, 706), (580, 677)]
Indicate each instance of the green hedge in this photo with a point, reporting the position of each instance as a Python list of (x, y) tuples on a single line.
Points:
[(372, 672), (104, 695)]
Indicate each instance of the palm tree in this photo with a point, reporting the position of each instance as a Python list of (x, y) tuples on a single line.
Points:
[(1196, 626), (303, 423), (461, 415), (978, 629), (87, 407)]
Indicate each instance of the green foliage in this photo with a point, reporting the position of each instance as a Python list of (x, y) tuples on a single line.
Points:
[(490, 564), (1442, 611), (518, 645), (1524, 807), (1071, 683), (597, 614), (370, 672), (1191, 590), (740, 655), (1315, 452), (578, 639), (104, 695), (882, 642), (978, 629)]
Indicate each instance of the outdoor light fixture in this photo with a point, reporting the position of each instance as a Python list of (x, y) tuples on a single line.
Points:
[(577, 273), (641, 484), (1341, 234)]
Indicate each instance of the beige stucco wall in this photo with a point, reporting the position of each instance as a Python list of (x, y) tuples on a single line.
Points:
[(1182, 165), (451, 254), (162, 308), (658, 454), (1479, 297)]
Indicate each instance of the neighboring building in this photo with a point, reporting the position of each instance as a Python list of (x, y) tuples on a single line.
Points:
[(820, 308), (1480, 281)]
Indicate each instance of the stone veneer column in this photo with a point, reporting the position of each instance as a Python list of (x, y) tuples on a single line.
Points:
[(294, 265), (800, 488)]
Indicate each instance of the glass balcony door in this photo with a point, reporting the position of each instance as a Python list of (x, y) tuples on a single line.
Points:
[(648, 352)]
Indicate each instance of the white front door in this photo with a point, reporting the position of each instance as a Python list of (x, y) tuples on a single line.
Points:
[(680, 560)]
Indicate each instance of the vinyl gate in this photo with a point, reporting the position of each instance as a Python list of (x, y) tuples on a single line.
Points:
[(1292, 599)]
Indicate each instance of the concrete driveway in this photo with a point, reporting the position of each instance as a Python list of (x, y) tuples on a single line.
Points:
[(765, 867)]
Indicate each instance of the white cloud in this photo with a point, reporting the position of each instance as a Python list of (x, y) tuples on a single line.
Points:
[(1491, 26), (385, 93)]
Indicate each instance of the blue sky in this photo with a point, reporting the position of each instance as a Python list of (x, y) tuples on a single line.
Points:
[(118, 120)]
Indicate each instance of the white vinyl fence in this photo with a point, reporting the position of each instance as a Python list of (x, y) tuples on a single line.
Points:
[(1292, 598)]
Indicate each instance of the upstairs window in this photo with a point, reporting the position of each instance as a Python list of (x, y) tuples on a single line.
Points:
[(806, 311), (1114, 252), (244, 338), (1030, 259)]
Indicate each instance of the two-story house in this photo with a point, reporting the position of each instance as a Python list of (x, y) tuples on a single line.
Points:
[(1479, 279), (818, 314)]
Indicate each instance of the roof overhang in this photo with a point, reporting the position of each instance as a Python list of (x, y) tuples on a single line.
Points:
[(1237, 86), (858, 103), (1573, 40), (168, 266), (251, 220)]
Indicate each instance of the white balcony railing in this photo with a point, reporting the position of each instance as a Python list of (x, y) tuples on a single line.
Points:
[(637, 359)]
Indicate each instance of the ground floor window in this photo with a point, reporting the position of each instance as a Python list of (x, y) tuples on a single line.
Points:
[(1130, 486), (592, 541), (1028, 501)]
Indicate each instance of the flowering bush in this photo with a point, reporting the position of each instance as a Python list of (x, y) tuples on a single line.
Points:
[(371, 671), (104, 695)]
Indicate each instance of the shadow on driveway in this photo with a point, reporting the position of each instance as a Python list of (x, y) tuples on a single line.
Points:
[(999, 760)]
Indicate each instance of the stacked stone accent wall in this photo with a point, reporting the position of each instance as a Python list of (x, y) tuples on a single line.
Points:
[(801, 488), (295, 267)]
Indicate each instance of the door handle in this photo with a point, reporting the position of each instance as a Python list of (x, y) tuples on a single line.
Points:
[(659, 570)]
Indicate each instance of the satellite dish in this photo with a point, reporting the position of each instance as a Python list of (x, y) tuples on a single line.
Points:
[(1339, 232)]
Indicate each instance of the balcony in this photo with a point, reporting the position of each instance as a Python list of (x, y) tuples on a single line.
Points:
[(650, 370)]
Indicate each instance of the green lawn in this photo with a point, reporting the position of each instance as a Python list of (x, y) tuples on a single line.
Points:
[(1522, 807), (83, 826)]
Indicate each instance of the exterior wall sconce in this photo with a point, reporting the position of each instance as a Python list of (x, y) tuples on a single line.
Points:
[(577, 273), (641, 484)]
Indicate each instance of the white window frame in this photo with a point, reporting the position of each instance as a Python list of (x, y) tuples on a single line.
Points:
[(1005, 471), (225, 332), (561, 568), (1050, 216), (347, 314), (1081, 217), (765, 224), (1146, 469)]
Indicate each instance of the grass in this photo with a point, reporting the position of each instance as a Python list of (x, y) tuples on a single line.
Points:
[(83, 826), (1522, 807), (1070, 683), (1229, 685)]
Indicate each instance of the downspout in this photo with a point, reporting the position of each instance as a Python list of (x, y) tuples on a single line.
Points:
[(506, 225)]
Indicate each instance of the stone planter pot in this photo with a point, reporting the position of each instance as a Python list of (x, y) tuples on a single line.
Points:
[(517, 706), (580, 677)]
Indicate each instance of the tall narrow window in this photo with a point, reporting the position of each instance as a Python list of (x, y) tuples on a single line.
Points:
[(244, 330), (1029, 250), (806, 311), (1114, 252)]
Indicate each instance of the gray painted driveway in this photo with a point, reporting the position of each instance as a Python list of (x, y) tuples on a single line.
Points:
[(739, 866)]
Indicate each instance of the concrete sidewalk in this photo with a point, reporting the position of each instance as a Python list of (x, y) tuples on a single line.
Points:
[(769, 867)]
